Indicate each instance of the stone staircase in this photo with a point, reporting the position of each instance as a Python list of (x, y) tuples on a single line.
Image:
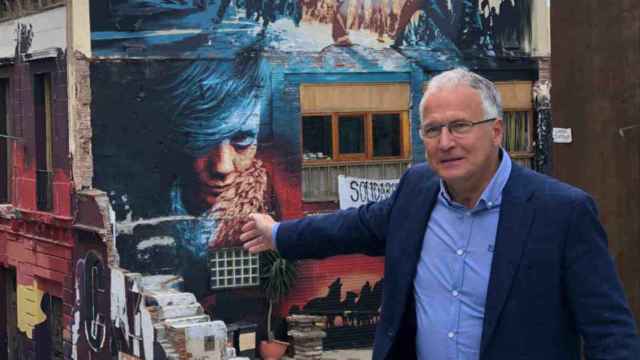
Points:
[(180, 325)]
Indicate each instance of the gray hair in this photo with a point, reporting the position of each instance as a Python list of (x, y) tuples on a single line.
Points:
[(491, 102)]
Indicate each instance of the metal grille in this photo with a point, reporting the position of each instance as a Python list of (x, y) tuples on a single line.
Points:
[(233, 267)]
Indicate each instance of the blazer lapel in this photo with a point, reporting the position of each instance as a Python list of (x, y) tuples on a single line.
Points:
[(516, 215), (422, 201)]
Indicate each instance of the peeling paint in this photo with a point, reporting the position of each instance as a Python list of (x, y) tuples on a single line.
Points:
[(75, 328), (148, 335), (155, 241), (119, 317), (29, 312), (128, 226)]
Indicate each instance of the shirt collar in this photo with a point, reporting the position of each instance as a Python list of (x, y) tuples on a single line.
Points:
[(492, 194)]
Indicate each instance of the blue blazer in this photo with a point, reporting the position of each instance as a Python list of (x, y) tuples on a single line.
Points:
[(553, 287)]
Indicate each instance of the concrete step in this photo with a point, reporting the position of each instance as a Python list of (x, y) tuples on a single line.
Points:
[(215, 327), (187, 320), (161, 282), (164, 298), (159, 313)]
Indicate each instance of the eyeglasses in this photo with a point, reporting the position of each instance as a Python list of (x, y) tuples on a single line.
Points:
[(456, 128)]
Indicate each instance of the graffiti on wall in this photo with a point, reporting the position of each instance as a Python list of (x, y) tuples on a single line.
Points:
[(183, 129), (207, 171), (213, 28)]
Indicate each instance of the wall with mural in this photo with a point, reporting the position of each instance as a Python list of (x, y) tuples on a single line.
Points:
[(196, 123)]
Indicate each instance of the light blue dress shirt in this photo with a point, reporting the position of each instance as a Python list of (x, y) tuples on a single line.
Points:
[(453, 272), (452, 277)]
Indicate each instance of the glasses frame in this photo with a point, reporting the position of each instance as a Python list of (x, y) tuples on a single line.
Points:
[(448, 126)]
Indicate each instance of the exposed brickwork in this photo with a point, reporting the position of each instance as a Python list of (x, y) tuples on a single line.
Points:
[(544, 69), (80, 108)]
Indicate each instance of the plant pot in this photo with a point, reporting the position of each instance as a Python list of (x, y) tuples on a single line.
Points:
[(272, 350)]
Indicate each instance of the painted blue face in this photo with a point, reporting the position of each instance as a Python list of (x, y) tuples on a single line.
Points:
[(215, 171)]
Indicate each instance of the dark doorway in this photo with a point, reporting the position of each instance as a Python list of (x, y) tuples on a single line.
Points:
[(9, 344), (48, 334)]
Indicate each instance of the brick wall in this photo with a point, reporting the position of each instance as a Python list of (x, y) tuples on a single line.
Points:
[(37, 244)]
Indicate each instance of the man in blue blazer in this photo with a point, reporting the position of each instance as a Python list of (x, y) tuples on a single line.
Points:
[(483, 259)]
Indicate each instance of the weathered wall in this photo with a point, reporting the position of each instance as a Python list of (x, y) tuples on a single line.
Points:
[(79, 113), (48, 27), (596, 93), (178, 86), (37, 244)]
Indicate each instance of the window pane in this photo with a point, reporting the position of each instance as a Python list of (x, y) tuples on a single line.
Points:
[(316, 137), (44, 140), (386, 135), (351, 134)]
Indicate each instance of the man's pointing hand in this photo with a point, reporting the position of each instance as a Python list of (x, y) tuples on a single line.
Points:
[(256, 233)]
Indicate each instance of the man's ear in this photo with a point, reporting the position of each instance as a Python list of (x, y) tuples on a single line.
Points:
[(497, 129)]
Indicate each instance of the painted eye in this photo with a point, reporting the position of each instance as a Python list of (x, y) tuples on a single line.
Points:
[(243, 141)]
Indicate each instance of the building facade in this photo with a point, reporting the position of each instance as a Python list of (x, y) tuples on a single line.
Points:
[(139, 135)]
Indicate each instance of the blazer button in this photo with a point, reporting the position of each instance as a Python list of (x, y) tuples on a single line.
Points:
[(390, 333)]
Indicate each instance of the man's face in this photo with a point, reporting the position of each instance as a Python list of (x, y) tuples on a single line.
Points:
[(216, 171), (461, 159)]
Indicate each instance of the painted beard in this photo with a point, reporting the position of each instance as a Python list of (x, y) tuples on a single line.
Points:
[(248, 194)]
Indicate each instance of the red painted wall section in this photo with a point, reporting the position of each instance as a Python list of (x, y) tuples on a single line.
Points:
[(39, 249), (314, 277), (21, 109), (333, 286), (38, 244)]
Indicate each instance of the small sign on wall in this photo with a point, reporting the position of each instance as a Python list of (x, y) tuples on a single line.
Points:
[(562, 136)]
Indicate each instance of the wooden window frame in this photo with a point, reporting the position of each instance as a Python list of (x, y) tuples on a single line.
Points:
[(367, 156), (44, 166)]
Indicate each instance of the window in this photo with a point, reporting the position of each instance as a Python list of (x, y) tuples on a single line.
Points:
[(355, 136), (44, 140), (233, 267), (518, 120), (5, 168), (359, 130), (386, 135), (317, 137)]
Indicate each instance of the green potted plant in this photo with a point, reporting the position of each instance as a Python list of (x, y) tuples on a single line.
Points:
[(277, 276)]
